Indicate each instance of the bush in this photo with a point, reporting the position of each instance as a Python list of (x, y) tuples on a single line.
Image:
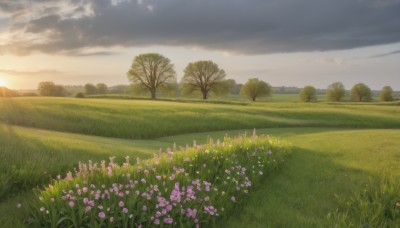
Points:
[(194, 186), (308, 94), (80, 95)]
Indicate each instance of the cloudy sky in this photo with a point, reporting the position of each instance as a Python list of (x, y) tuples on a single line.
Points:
[(284, 42)]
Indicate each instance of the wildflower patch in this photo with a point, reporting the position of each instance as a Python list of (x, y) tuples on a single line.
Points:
[(193, 187)]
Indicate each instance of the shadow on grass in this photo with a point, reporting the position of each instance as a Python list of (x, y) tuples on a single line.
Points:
[(301, 194)]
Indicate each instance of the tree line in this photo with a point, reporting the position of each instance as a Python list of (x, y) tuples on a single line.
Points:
[(151, 72), (336, 92), (49, 88)]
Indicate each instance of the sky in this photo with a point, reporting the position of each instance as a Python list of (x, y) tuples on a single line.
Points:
[(283, 42)]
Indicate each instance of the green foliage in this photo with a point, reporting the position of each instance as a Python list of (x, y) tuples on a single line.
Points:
[(255, 88), (90, 89), (308, 94), (79, 95), (216, 176), (102, 88), (386, 94), (206, 77), (151, 71), (376, 205), (360, 92), (335, 92), (52, 90)]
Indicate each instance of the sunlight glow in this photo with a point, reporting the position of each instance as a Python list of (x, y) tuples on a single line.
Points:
[(2, 81)]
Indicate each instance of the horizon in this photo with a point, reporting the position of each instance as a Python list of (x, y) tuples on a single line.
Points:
[(288, 43)]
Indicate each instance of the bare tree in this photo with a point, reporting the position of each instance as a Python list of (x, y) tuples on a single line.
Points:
[(151, 71), (204, 76)]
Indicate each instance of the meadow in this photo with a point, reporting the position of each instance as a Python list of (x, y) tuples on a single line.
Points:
[(337, 147)]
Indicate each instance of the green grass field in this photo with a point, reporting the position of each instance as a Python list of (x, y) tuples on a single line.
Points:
[(337, 147)]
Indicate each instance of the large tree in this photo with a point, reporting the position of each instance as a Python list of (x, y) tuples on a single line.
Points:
[(151, 71), (386, 94), (361, 92), (308, 93), (256, 88), (50, 89), (102, 88), (90, 89), (335, 92), (206, 77)]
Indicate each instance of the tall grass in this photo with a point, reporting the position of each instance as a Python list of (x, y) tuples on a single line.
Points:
[(376, 205), (30, 157), (150, 119)]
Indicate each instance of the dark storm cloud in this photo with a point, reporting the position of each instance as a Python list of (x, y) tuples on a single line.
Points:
[(386, 54), (236, 26)]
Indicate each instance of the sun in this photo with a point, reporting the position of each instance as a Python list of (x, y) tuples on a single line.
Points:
[(2, 82)]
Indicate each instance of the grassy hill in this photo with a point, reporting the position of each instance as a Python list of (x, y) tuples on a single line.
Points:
[(143, 119), (337, 147)]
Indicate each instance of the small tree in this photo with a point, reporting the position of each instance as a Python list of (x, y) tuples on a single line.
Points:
[(335, 92), (50, 89), (255, 88), (150, 71), (90, 89), (102, 88), (361, 92), (386, 94), (204, 76), (308, 94)]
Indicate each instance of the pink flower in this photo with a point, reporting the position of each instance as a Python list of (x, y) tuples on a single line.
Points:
[(158, 177), (85, 190), (125, 210), (111, 219), (172, 177), (42, 209), (169, 208), (191, 213), (85, 200), (157, 222), (88, 208), (146, 171), (121, 204), (71, 203), (102, 215), (168, 220), (144, 208), (143, 181)]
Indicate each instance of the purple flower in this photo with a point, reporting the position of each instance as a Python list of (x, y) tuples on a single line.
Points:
[(71, 203), (169, 207), (191, 213), (102, 215), (144, 208), (168, 220), (121, 204), (125, 210), (157, 222)]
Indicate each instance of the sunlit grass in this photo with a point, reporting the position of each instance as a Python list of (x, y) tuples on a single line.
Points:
[(139, 119)]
